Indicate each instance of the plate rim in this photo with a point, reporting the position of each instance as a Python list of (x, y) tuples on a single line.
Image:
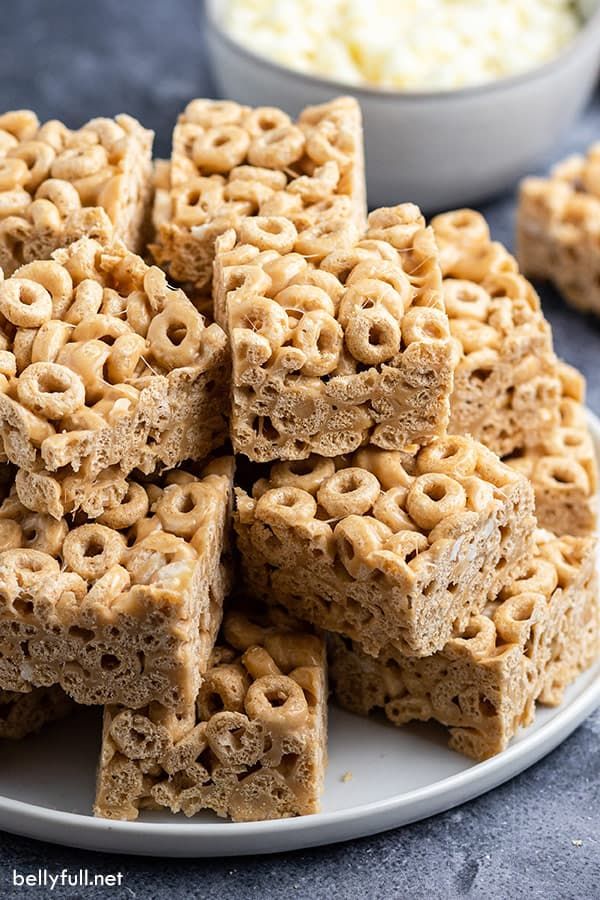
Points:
[(239, 838)]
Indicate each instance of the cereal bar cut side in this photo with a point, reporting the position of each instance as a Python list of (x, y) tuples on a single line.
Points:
[(230, 161), (506, 386), (59, 185), (103, 369), (22, 714), (557, 229), (123, 609), (339, 338), (563, 468), (526, 646), (390, 549), (253, 746)]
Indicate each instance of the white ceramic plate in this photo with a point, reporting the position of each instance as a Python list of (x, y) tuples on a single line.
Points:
[(398, 776)]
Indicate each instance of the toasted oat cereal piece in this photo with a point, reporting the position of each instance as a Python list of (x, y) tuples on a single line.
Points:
[(563, 469), (230, 161), (557, 229), (526, 646), (392, 549), (339, 337), (506, 386), (252, 747), (103, 369), (58, 185), (22, 714), (123, 609)]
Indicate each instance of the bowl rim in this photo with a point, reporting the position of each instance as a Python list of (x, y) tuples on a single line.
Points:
[(589, 31)]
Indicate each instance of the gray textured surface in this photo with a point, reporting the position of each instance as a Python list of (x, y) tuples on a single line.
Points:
[(539, 835)]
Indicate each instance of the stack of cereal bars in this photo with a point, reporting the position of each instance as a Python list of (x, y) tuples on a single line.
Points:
[(391, 396)]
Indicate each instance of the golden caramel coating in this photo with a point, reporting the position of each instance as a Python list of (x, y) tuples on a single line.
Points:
[(339, 336), (124, 608), (563, 468), (252, 747), (229, 162), (58, 185), (506, 386), (557, 229), (537, 635), (392, 549), (104, 369)]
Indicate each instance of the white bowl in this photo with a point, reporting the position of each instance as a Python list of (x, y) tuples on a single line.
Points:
[(439, 149)]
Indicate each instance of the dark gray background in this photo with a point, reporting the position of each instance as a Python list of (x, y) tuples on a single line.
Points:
[(72, 59)]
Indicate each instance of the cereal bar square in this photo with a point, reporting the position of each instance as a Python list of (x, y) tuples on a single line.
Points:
[(339, 337), (229, 161), (557, 229), (22, 714), (253, 746), (392, 549), (104, 369), (124, 609), (506, 387), (58, 185), (528, 645), (563, 468)]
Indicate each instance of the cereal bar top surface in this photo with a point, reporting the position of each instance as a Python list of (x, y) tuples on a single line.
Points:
[(567, 455), (556, 566), (147, 548), (572, 437), (329, 300), (49, 172), (570, 197), (486, 297), (231, 160), (381, 511), (252, 747), (83, 334)]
